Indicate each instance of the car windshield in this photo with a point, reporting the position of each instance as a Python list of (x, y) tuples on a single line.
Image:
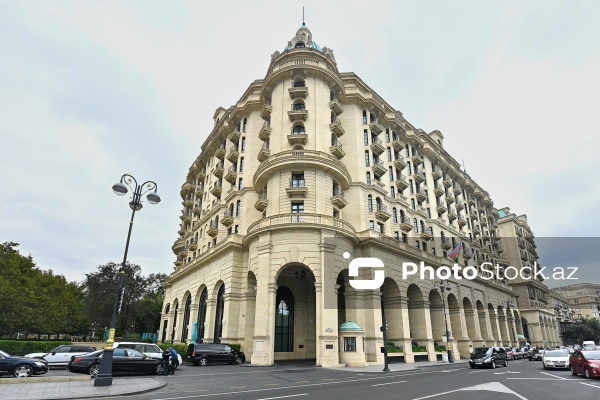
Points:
[(481, 351), (592, 355), (557, 353), (4, 354)]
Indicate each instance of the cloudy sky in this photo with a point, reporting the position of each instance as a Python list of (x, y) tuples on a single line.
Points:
[(90, 90)]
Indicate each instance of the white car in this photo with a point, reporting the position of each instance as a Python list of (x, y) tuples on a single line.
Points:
[(149, 349), (61, 355), (555, 359)]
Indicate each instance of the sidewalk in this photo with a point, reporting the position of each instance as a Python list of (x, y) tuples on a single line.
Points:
[(38, 388), (396, 367)]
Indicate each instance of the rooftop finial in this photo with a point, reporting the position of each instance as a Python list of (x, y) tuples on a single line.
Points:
[(302, 15)]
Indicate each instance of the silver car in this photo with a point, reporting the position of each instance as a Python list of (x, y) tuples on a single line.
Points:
[(61, 355), (555, 359)]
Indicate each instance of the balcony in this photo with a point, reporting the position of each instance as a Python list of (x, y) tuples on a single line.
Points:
[(462, 221), (227, 219), (477, 192), (336, 127), (467, 253), (179, 262), (524, 256), (217, 189), (220, 152), (476, 230), (426, 234), (178, 246), (338, 199), (460, 205), (456, 189), (233, 153), (417, 160), (231, 174), (297, 139), (473, 214), (421, 195), (397, 144), (449, 198), (441, 207), (265, 113), (234, 135), (405, 225), (218, 171), (212, 229), (446, 244), (296, 188), (199, 189), (197, 208), (521, 243), (188, 201), (186, 188), (419, 177), (298, 92), (298, 113), (377, 146), (448, 182), (452, 214), (376, 127), (484, 222), (401, 182), (336, 149), (382, 213), (336, 106), (261, 202), (378, 168), (481, 208), (193, 244), (438, 189), (399, 163), (264, 152), (471, 201), (486, 200), (265, 131), (422, 211)]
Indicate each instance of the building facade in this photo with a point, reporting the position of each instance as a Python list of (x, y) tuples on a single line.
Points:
[(584, 299), (311, 167)]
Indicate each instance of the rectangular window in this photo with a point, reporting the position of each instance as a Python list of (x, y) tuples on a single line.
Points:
[(408, 168), (387, 135), (364, 117), (237, 229), (428, 213), (243, 146), (245, 125), (297, 180), (241, 164), (424, 246), (412, 203), (415, 225), (417, 244), (350, 344), (433, 251), (368, 178), (240, 184), (407, 152), (391, 172), (229, 231), (379, 228), (366, 137), (389, 153), (297, 208), (371, 225), (367, 162), (392, 192), (404, 238), (397, 235), (410, 186)]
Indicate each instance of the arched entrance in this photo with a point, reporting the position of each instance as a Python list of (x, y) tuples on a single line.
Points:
[(494, 324), (483, 325), (202, 308), (186, 318), (218, 332)]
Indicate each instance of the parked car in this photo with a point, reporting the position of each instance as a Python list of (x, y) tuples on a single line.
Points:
[(555, 359), (208, 353), (586, 363), (61, 355), (488, 357), (510, 355), (535, 355), (149, 349), (588, 345), (21, 367), (124, 361)]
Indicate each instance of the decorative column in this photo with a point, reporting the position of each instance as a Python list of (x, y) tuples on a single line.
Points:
[(193, 318), (264, 324)]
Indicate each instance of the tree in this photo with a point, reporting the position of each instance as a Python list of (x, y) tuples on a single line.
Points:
[(587, 329)]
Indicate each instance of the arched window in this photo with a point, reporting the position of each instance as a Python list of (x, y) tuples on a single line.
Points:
[(378, 202), (174, 322), (202, 315), (370, 202), (284, 320), (372, 117), (299, 83), (219, 315), (416, 225), (443, 236), (231, 209), (299, 106), (402, 216), (422, 226), (165, 323), (186, 319), (238, 208), (298, 130), (300, 44), (395, 215)]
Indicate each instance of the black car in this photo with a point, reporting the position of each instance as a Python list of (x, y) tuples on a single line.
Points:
[(124, 361), (205, 353), (535, 355), (21, 367), (488, 357)]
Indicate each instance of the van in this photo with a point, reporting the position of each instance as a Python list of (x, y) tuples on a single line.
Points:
[(588, 345), (212, 353)]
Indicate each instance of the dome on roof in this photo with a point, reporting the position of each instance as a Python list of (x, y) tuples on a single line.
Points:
[(350, 326), (303, 38)]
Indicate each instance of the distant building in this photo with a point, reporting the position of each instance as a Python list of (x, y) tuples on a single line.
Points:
[(309, 164), (563, 311), (584, 299)]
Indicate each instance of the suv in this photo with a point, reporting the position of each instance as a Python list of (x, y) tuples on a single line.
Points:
[(488, 357), (205, 353), (61, 355), (149, 349)]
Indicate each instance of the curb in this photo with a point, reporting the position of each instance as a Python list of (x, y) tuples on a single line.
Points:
[(110, 394), (42, 379)]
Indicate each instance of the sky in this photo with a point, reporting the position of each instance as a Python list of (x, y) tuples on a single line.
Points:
[(90, 90)]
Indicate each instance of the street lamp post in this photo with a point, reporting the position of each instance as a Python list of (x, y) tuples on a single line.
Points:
[(444, 285), (104, 377)]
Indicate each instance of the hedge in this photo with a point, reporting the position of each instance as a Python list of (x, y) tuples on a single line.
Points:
[(181, 348), (22, 347)]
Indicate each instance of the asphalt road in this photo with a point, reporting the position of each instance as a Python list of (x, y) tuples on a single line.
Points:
[(521, 380)]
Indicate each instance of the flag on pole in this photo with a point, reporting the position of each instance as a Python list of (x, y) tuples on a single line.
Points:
[(457, 252)]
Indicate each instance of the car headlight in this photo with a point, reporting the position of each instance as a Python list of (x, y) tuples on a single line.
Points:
[(594, 366), (488, 359), (40, 364)]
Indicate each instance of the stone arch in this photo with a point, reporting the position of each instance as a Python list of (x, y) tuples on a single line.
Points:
[(187, 309), (454, 317), (436, 312), (470, 318), (416, 314), (174, 325), (391, 301), (494, 322), (518, 322), (483, 326), (502, 321), (219, 298)]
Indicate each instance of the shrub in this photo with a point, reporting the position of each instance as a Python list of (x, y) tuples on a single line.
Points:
[(439, 348), (392, 348), (22, 347), (180, 348), (147, 340), (418, 349)]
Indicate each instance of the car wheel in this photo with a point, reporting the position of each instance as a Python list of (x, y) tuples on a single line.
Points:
[(506, 363), (494, 364), (529, 358), (204, 362), (545, 366), (573, 371), (238, 360), (22, 371), (158, 370), (586, 372), (472, 366), (93, 370)]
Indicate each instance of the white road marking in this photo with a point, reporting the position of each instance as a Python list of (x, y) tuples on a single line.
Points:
[(589, 384), (284, 397), (389, 383), (491, 386), (555, 376), (539, 379), (474, 372), (506, 372)]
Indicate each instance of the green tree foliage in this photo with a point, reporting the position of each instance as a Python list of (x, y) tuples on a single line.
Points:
[(36, 301), (587, 329)]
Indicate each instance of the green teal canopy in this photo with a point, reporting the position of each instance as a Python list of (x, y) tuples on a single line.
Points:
[(350, 326)]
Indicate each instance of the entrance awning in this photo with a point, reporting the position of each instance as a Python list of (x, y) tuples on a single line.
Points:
[(521, 337)]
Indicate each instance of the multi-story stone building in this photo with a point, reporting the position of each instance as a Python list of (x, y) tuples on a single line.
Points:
[(308, 165), (563, 311), (584, 299), (539, 320)]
